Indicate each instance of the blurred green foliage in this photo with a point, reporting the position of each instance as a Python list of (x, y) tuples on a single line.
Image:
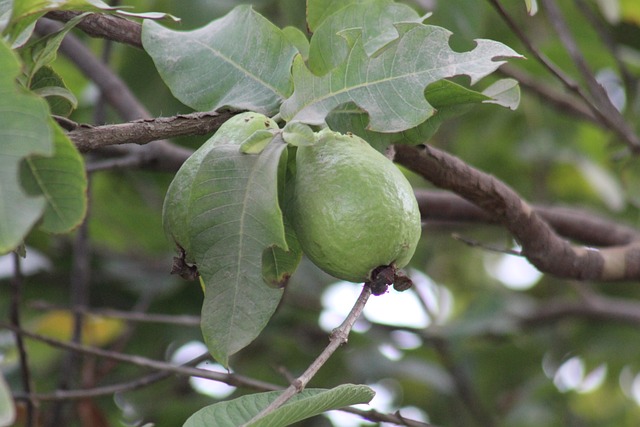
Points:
[(509, 367)]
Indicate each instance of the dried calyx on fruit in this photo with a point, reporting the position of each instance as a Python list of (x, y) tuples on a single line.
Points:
[(352, 209)]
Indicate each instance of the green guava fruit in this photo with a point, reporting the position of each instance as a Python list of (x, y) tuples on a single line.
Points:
[(175, 212), (351, 208)]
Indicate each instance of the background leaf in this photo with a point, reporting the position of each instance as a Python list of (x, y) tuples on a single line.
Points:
[(24, 130), (240, 61), (96, 330), (386, 85), (504, 92), (62, 180), (306, 404), (44, 50)]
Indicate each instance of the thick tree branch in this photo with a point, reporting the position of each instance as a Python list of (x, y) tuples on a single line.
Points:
[(146, 130), (575, 224), (105, 26), (435, 206), (540, 244)]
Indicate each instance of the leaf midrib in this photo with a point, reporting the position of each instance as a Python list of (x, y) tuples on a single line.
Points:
[(244, 71)]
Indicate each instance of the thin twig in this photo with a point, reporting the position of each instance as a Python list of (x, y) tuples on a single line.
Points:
[(540, 57), (231, 379), (474, 243), (377, 417), (614, 124), (599, 25), (603, 103), (79, 282), (109, 389), (563, 102), (113, 87), (17, 282), (339, 336)]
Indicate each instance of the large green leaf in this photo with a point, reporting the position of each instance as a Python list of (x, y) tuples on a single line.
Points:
[(62, 180), (319, 10), (304, 405), (240, 61), (24, 130), (448, 98), (374, 17), (234, 216), (389, 85), (223, 210)]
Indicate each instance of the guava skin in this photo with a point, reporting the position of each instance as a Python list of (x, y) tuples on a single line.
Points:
[(241, 126), (352, 209)]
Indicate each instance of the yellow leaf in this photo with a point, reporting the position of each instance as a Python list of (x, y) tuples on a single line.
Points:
[(96, 331)]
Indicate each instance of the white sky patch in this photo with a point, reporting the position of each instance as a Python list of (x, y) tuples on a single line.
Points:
[(572, 376), (215, 389), (406, 340), (392, 308), (630, 383), (513, 271), (390, 352), (438, 299), (635, 389), (34, 262)]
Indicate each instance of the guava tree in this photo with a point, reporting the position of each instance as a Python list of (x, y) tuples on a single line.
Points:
[(250, 151)]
